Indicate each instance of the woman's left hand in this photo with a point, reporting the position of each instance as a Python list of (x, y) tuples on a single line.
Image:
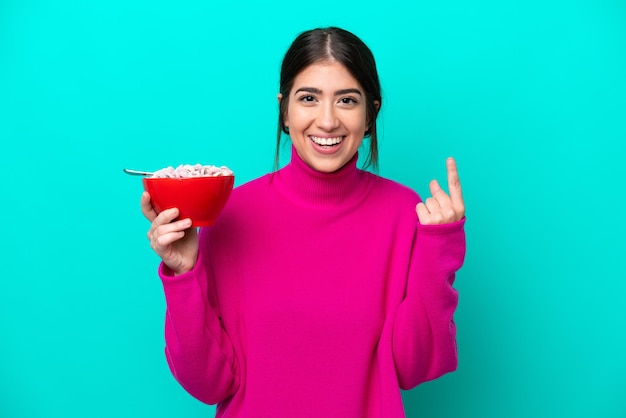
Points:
[(441, 208)]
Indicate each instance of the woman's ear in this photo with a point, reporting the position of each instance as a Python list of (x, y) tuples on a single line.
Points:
[(370, 122), (280, 100)]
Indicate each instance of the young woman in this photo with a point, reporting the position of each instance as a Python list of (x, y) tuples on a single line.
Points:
[(323, 289)]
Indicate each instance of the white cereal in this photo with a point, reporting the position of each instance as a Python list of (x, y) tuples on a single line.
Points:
[(188, 170)]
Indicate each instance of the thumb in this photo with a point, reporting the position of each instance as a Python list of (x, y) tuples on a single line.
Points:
[(146, 207), (422, 213)]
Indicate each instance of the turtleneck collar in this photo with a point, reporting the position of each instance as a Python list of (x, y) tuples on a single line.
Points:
[(306, 186)]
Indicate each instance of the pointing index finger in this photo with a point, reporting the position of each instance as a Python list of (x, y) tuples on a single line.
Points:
[(454, 183)]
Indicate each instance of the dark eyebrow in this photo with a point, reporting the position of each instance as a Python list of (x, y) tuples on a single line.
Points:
[(309, 90), (337, 93), (346, 91)]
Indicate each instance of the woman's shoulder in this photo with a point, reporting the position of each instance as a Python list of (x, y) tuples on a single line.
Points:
[(245, 199), (252, 189), (254, 184), (392, 190)]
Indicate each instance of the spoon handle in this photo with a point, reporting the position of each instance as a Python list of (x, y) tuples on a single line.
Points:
[(137, 172)]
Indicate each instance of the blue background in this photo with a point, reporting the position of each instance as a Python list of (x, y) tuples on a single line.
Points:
[(529, 96)]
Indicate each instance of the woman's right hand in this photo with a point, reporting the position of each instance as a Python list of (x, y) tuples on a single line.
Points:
[(175, 242)]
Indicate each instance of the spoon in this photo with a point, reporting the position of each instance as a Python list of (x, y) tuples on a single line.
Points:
[(137, 172)]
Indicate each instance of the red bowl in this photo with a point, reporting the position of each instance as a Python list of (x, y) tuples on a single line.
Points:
[(199, 198)]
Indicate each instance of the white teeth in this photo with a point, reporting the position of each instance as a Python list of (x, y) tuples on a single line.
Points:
[(327, 141)]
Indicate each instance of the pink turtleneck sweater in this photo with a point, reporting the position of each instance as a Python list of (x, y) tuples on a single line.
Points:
[(315, 295)]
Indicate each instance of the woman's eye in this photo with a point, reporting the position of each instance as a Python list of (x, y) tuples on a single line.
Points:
[(348, 100), (307, 99)]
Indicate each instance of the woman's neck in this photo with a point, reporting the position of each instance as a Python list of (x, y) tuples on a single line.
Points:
[(309, 187)]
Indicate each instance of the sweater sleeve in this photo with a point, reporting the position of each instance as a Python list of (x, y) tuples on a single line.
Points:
[(198, 350), (424, 333)]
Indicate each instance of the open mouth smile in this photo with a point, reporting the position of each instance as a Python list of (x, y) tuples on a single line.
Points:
[(327, 142)]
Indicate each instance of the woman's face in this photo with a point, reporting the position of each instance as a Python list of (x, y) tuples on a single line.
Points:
[(326, 116)]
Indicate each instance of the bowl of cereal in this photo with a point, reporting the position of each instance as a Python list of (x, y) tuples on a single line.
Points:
[(200, 192)]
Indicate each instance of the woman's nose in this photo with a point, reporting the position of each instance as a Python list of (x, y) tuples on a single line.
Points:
[(327, 118)]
